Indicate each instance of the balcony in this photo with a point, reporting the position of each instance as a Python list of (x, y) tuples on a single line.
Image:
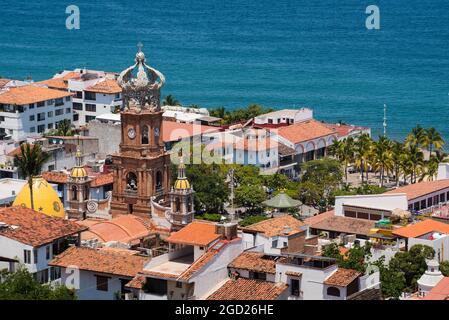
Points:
[(130, 192)]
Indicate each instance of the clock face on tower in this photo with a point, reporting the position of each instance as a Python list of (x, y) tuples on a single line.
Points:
[(131, 133)]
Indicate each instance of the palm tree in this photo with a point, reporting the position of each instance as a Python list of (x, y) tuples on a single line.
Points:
[(170, 101), (30, 162), (362, 148), (343, 150), (382, 161), (416, 136), (397, 152), (416, 158), (432, 139)]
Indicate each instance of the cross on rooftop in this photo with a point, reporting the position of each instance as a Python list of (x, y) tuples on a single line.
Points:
[(140, 46)]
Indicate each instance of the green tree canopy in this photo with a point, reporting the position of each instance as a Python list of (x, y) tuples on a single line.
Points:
[(321, 178), (21, 285)]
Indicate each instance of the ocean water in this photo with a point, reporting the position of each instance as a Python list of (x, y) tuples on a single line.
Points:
[(284, 53)]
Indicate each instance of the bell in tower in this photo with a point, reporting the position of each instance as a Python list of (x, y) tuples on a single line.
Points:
[(142, 166)]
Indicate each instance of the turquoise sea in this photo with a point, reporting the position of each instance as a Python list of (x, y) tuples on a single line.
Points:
[(284, 53)]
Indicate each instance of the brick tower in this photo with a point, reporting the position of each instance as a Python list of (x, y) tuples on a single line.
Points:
[(142, 166)]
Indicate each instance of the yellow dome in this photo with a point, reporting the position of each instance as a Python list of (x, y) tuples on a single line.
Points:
[(182, 184), (78, 172), (46, 199)]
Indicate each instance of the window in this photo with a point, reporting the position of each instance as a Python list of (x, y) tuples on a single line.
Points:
[(51, 168), (274, 244), (59, 112), (423, 204), (145, 135), (102, 283), (2, 118), (27, 256), (32, 118), (35, 254), (41, 128), (90, 118), (50, 102), (178, 284), (59, 102), (41, 116), (55, 273), (68, 110), (50, 114), (67, 98), (332, 291), (294, 283), (90, 96), (47, 252), (79, 94), (91, 107), (76, 117), (40, 104), (77, 106), (50, 126), (33, 129), (74, 193), (31, 106), (257, 275), (117, 95)]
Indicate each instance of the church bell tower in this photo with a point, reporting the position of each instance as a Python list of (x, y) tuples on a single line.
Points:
[(142, 166)]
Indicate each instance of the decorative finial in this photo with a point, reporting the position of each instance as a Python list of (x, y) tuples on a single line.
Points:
[(141, 90), (139, 46)]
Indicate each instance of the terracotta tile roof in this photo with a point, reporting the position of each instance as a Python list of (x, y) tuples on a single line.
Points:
[(60, 82), (3, 82), (97, 260), (440, 291), (420, 189), (277, 226), (293, 274), (30, 94), (124, 228), (342, 277), (196, 234), (421, 228), (344, 130), (105, 86), (198, 265), (248, 289), (162, 275), (35, 228), (55, 177), (136, 283), (254, 261), (102, 180), (319, 217), (345, 225), (304, 131), (17, 151), (174, 131)]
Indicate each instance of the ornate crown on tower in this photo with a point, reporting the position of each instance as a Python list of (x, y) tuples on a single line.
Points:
[(142, 89)]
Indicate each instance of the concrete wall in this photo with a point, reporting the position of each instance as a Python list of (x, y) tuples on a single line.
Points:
[(378, 201), (216, 270), (109, 136), (85, 284)]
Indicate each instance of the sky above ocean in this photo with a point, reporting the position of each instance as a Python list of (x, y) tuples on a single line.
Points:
[(280, 54)]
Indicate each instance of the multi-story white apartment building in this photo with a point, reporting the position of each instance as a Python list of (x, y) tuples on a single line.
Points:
[(94, 93), (31, 239), (32, 109)]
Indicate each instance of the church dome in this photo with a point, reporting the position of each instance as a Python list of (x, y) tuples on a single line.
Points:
[(78, 172), (182, 184), (46, 199)]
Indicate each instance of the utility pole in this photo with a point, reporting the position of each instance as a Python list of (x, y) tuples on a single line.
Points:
[(231, 171), (385, 120)]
